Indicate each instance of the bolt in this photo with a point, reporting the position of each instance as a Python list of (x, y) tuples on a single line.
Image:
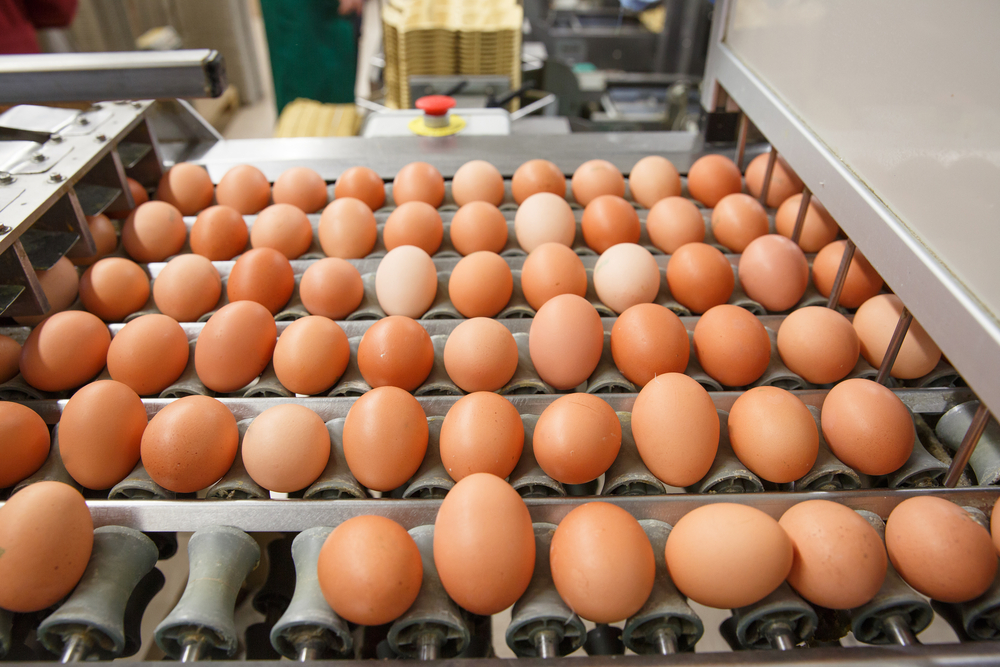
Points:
[(136, 105), (56, 139), (38, 157), (82, 121), (4, 229), (101, 137), (55, 177), (6, 178), (95, 107)]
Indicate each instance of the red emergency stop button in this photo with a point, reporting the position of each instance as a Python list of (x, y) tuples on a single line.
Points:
[(435, 105)]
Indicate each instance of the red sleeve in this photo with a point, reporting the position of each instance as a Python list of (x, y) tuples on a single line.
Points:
[(50, 13)]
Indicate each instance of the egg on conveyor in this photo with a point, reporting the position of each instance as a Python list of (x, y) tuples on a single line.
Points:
[(187, 287), (732, 345), (347, 229), (415, 223), (406, 282), (244, 188), (609, 220), (263, 276), (774, 272), (310, 356), (738, 219), (235, 346), (712, 177), (649, 340), (24, 442), (397, 352), (186, 186), (363, 184), (544, 218), (478, 225), (114, 288), (418, 181), (862, 282), (774, 434), (625, 275), (565, 341), (301, 187), (481, 284), (477, 180), (385, 438), (867, 426), (595, 178), (700, 277), (331, 287), (480, 355), (652, 179), (148, 354), (536, 176), (549, 270), (673, 222), (153, 232), (286, 448), (219, 233), (482, 432), (577, 438), (65, 351), (283, 227)]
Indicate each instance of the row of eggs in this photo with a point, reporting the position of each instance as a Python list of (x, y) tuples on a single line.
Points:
[(602, 562)]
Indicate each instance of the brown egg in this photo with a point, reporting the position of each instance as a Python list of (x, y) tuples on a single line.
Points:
[(186, 186), (60, 284), (673, 222), (396, 351), (818, 230), (737, 220), (875, 323), (818, 344), (477, 226), (283, 227), (649, 340), (385, 438), (774, 272), (785, 183), (676, 429), (301, 187), (235, 346), (10, 354), (595, 178), (99, 433), (536, 176), (577, 438), (609, 220), (654, 178), (705, 566), (732, 345), (262, 275), (347, 229), (839, 560), (244, 188), (867, 427), (712, 177), (485, 566), (406, 282), (482, 432), (286, 447), (626, 274), (24, 442), (332, 288), (148, 354), (187, 287), (552, 269), (602, 563), (995, 526), (418, 181), (940, 550), (773, 434), (361, 183), (480, 355), (139, 197), (219, 233), (700, 277), (310, 356), (153, 232), (862, 283), (105, 239), (47, 536), (414, 223), (477, 180), (190, 444), (481, 284), (566, 340), (114, 288), (544, 218), (370, 570), (65, 351)]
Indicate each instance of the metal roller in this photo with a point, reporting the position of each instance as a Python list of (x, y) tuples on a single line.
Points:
[(976, 620), (267, 385), (138, 485), (943, 375), (985, 459), (91, 623), (606, 378), (442, 308), (352, 382), (525, 379), (431, 479), (368, 309), (433, 627), (897, 613), (18, 389), (201, 625), (628, 475), (294, 309), (438, 382), (142, 595), (237, 483), (727, 474), (528, 478), (780, 621), (309, 628), (828, 473), (666, 624), (921, 470), (518, 306), (336, 480), (604, 639), (188, 384), (53, 470), (541, 624)]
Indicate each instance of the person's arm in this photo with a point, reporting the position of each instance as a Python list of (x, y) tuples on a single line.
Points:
[(50, 13)]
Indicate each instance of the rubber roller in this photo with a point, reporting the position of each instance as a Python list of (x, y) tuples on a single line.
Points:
[(664, 297), (18, 389), (828, 472), (921, 470), (351, 383), (275, 595), (591, 294), (897, 613), (777, 374), (142, 595), (237, 483), (985, 459), (697, 373), (6, 628), (295, 309), (628, 475), (267, 385), (431, 479), (309, 628), (978, 619), (91, 623), (525, 379), (480, 637), (442, 308), (865, 371), (202, 625), (528, 478), (188, 384), (139, 486), (727, 474), (943, 375), (606, 378), (438, 382), (604, 639), (368, 309), (740, 298), (541, 624), (666, 624), (780, 621), (53, 470), (433, 627), (336, 480), (518, 306)]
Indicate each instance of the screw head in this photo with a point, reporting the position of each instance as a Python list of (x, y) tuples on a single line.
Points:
[(38, 157), (6, 178), (56, 138), (4, 229), (101, 137), (137, 105), (55, 177), (82, 121)]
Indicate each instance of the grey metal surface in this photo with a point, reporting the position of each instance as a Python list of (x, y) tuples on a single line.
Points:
[(968, 334), (58, 77)]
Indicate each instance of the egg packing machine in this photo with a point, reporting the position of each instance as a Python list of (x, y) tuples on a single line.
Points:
[(58, 166)]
